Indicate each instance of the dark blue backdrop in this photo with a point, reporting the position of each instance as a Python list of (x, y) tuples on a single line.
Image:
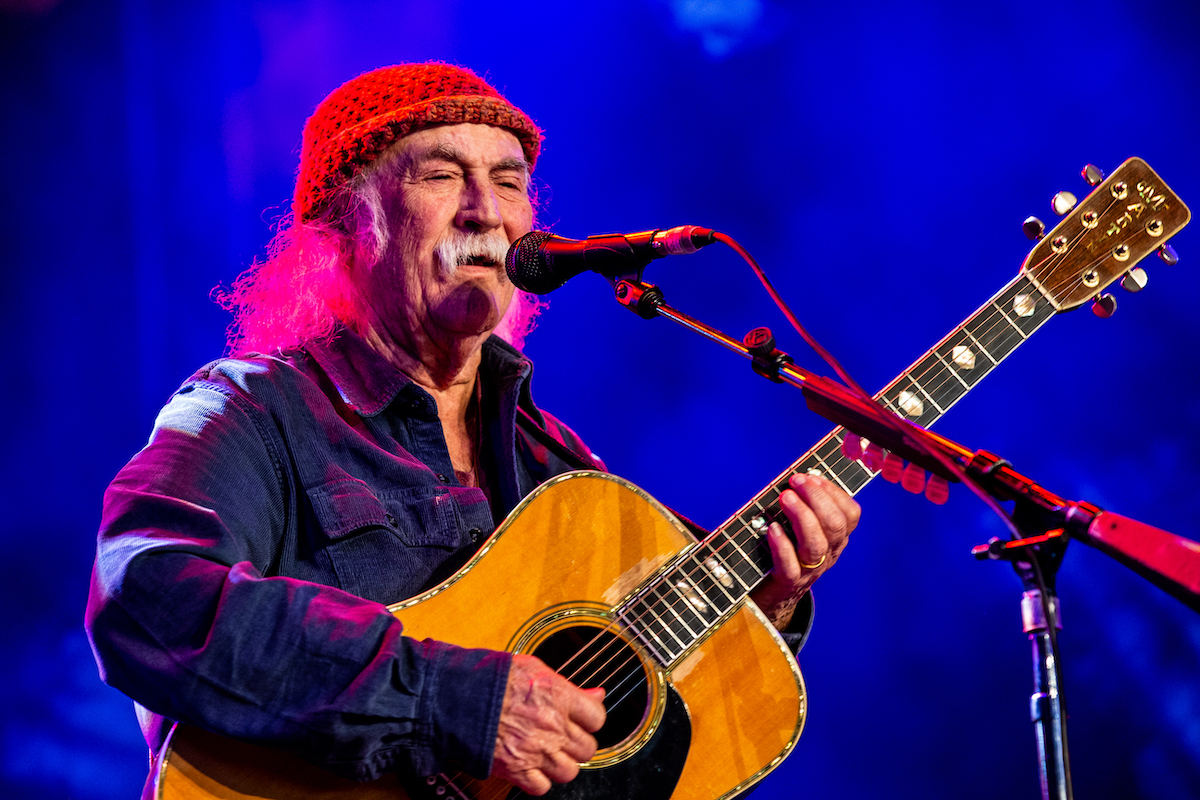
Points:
[(877, 158)]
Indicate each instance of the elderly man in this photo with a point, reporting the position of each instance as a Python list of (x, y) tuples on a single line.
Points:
[(363, 444)]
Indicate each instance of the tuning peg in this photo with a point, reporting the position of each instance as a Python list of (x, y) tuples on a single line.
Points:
[(1092, 174), (1104, 306), (1033, 228), (1168, 254), (1063, 202), (1134, 280)]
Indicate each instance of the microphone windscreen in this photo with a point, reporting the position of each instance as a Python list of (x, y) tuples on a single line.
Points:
[(528, 267)]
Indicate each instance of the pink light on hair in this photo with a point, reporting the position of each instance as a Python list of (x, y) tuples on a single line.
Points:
[(298, 293)]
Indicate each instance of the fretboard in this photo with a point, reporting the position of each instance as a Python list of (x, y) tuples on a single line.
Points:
[(692, 595)]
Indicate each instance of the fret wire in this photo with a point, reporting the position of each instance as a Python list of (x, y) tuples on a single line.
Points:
[(1012, 324), (671, 579), (982, 349), (653, 598), (954, 372), (834, 473), (730, 570), (746, 558), (666, 582), (642, 630), (1015, 325), (951, 386), (927, 397), (704, 597), (716, 581), (653, 603), (678, 614), (650, 617)]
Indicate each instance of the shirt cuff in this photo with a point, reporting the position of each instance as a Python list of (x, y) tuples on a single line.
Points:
[(464, 698)]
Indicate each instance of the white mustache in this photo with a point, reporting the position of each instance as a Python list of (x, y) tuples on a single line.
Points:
[(464, 248)]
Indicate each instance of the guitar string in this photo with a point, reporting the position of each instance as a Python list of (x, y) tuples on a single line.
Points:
[(995, 317)]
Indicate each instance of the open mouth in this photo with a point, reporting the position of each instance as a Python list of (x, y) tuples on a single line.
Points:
[(479, 261)]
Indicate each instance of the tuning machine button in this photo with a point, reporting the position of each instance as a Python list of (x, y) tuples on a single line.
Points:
[(1168, 254), (1092, 174), (1033, 228), (1134, 280), (1104, 306), (1063, 202)]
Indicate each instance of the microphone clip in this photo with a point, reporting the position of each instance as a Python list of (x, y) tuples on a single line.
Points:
[(641, 298)]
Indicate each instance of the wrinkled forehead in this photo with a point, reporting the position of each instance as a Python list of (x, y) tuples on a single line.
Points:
[(468, 146)]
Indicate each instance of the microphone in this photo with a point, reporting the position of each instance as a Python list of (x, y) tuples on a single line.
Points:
[(540, 262)]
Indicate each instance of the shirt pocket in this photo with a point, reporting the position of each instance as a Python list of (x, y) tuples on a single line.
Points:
[(420, 516)]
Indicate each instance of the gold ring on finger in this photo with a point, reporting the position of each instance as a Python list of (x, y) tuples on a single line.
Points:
[(814, 566)]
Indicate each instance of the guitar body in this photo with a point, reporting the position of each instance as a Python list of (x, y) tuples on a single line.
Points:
[(718, 720)]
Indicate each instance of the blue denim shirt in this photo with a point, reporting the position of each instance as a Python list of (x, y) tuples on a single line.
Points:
[(247, 552)]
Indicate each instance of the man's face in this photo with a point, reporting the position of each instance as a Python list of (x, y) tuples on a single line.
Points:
[(461, 191)]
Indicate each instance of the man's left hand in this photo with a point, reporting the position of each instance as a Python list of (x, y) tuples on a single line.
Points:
[(822, 516)]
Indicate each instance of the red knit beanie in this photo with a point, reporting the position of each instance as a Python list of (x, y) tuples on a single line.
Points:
[(363, 117)]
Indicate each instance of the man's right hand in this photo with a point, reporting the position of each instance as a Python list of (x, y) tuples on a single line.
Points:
[(546, 726)]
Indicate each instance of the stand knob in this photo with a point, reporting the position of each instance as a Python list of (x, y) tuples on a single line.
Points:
[(760, 342)]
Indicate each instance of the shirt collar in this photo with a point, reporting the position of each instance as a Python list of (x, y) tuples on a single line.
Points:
[(368, 382)]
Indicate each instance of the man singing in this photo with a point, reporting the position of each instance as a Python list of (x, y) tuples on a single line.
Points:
[(373, 426)]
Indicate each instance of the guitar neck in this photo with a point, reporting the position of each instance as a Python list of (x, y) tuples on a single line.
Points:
[(686, 600)]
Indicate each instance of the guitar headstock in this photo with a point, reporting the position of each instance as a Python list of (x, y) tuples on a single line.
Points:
[(1128, 216)]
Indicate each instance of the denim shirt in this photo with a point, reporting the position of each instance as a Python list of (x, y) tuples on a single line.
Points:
[(246, 555)]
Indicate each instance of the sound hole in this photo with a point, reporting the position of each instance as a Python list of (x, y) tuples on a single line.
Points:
[(589, 657)]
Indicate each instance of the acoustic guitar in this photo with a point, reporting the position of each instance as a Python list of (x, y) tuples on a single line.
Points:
[(601, 582)]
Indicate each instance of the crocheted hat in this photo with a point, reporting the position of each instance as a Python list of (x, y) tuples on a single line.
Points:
[(364, 116)]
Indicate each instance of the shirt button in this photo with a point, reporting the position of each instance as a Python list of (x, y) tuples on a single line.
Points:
[(391, 520), (442, 478), (475, 533)]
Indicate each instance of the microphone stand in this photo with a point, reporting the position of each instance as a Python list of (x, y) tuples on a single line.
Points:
[(1046, 521)]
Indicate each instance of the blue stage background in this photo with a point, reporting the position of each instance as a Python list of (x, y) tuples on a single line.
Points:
[(877, 158)]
